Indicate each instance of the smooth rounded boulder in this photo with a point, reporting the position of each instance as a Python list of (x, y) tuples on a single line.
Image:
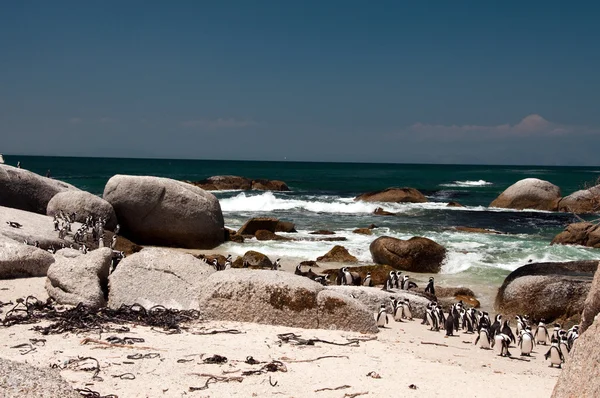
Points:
[(18, 260), (547, 291), (396, 195), (79, 278), (591, 306), (338, 254), (529, 193), (581, 202), (416, 254), (84, 204), (581, 233), (255, 224), (25, 190), (166, 212)]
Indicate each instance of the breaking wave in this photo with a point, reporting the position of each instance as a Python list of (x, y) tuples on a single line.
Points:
[(467, 184)]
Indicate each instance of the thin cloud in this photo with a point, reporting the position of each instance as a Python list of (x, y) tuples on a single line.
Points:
[(214, 124), (75, 120)]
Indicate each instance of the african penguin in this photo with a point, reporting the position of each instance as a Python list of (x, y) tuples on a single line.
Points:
[(556, 357), (382, 319)]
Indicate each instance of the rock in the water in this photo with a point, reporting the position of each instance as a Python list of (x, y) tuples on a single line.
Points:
[(372, 298), (233, 236), (338, 254), (18, 260), (416, 254), (591, 306), (269, 185), (580, 233), (579, 378), (218, 183), (477, 230), (84, 204), (580, 202), (338, 311), (161, 211), (79, 278), (258, 223), (396, 195), (546, 290), (256, 259), (363, 231), (530, 193), (19, 380), (157, 276), (275, 298), (285, 226), (454, 204), (380, 212), (262, 234), (22, 189), (322, 232)]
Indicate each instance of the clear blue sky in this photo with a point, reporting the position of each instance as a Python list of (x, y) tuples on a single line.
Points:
[(392, 81)]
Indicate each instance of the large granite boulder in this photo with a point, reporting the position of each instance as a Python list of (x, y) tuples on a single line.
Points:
[(396, 195), (416, 254), (256, 259), (583, 201), (158, 276), (591, 306), (25, 190), (530, 193), (161, 211), (19, 380), (547, 290), (372, 298), (84, 204), (18, 260), (278, 298), (257, 224), (220, 183), (285, 226), (80, 278), (580, 233), (579, 378), (338, 254), (263, 234)]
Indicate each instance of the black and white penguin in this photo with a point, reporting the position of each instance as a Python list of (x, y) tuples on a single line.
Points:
[(430, 288), (389, 282), (526, 342), (113, 242), (572, 335), (406, 311), (556, 332), (298, 270), (496, 326), (508, 331), (398, 310), (368, 281), (556, 357), (441, 318), (432, 319), (484, 339), (348, 279), (216, 265), (450, 324), (276, 265), (541, 333), (382, 319), (228, 262), (468, 318), (397, 279), (520, 324)]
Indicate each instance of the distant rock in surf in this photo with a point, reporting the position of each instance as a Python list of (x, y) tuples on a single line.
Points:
[(416, 254), (477, 230), (338, 254), (454, 204), (530, 193), (258, 223), (395, 195), (220, 183), (579, 233), (322, 232), (363, 231), (581, 202), (262, 234), (380, 212)]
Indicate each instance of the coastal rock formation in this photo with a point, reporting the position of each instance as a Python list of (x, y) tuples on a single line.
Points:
[(84, 204), (161, 211), (18, 260), (257, 223), (219, 183), (379, 273), (338, 254), (372, 298), (546, 290), (278, 298), (285, 226), (233, 236), (25, 190), (580, 374), (447, 296), (416, 254), (34, 227), (79, 278), (583, 201), (396, 195), (454, 204), (380, 212), (591, 306), (530, 193), (580, 233), (256, 259), (322, 232), (477, 230), (18, 380), (262, 234), (363, 231), (157, 276)]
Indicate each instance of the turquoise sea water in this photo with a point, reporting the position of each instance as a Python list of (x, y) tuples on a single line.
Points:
[(321, 198)]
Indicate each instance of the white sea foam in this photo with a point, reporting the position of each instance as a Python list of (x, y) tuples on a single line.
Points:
[(467, 184)]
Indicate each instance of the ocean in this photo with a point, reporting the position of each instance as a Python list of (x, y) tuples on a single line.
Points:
[(322, 195)]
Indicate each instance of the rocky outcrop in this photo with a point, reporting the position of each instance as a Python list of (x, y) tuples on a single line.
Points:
[(18, 380), (363, 231), (380, 212), (454, 204), (396, 195), (33, 227), (219, 183), (476, 230), (278, 298), (322, 232), (79, 278), (416, 254), (547, 290), (258, 223), (591, 306), (338, 254), (158, 277), (22, 189), (580, 233), (262, 234), (580, 373), (161, 211), (18, 260), (84, 204), (285, 226), (233, 236), (256, 260), (530, 193), (580, 202)]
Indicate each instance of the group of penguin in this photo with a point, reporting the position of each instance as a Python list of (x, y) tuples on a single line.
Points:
[(228, 263)]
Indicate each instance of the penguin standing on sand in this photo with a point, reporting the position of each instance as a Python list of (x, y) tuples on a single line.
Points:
[(450, 324), (541, 333), (501, 343), (406, 312), (368, 281), (556, 357), (348, 278), (526, 342), (495, 328), (506, 330), (572, 335), (483, 338), (430, 288), (276, 265), (398, 310), (382, 318), (397, 279)]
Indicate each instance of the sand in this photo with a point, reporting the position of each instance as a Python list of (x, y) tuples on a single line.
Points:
[(397, 354)]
